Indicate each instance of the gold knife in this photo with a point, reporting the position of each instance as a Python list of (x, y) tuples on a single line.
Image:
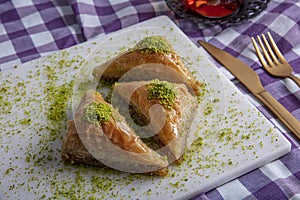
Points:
[(250, 79)]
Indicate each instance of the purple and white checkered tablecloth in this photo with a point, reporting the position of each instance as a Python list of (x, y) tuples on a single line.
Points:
[(31, 29)]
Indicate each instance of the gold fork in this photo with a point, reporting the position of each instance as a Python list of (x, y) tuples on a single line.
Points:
[(274, 63)]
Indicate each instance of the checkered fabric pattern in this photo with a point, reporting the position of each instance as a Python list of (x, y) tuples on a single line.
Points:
[(30, 29)]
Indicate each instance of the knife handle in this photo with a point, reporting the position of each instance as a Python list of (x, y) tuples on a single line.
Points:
[(281, 112)]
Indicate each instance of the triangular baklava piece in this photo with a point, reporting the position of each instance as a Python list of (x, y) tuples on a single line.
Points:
[(106, 136), (169, 108), (151, 58)]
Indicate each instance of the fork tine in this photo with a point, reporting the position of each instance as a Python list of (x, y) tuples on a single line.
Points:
[(275, 59), (258, 52), (277, 51), (265, 52)]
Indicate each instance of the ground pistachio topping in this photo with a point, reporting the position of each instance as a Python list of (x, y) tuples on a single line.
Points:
[(97, 112), (163, 91), (155, 44), (58, 96)]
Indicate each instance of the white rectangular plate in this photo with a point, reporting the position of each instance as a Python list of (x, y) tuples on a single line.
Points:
[(232, 136)]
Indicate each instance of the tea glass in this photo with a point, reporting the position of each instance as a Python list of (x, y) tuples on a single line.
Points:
[(214, 8)]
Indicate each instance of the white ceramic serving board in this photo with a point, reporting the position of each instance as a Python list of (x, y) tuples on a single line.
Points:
[(231, 136)]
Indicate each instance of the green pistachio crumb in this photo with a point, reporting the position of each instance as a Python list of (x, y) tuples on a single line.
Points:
[(208, 109), (97, 112), (163, 91), (154, 44), (176, 184), (149, 192), (26, 121)]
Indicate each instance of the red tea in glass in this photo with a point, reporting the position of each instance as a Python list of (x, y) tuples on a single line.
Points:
[(214, 8)]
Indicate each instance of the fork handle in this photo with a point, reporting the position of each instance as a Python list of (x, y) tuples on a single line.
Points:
[(281, 112), (295, 78)]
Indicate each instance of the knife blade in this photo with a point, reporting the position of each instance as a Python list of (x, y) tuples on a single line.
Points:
[(250, 79)]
